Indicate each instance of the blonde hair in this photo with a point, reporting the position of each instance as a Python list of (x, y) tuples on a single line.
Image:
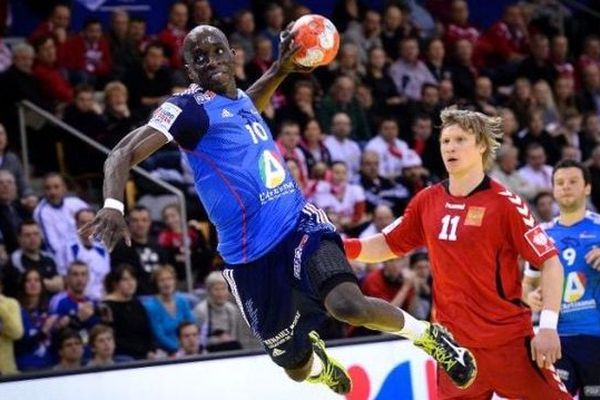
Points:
[(114, 87), (163, 269), (487, 130)]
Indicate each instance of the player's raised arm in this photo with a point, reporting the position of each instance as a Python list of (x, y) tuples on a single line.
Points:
[(109, 225)]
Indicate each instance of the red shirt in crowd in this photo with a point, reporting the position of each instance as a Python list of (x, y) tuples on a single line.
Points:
[(93, 58), (173, 38), (46, 28), (375, 285), (474, 243), (53, 83), (499, 43), (455, 32)]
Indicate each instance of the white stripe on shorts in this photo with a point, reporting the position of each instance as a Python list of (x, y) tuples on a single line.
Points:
[(228, 274)]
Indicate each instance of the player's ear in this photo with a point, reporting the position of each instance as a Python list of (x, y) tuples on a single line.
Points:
[(191, 73), (233, 52), (588, 189)]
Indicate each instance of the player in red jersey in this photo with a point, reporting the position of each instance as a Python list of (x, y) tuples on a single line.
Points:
[(475, 230)]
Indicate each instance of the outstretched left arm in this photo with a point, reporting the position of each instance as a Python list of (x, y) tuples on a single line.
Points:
[(262, 90)]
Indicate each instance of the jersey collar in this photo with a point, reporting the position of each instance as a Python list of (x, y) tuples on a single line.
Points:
[(483, 185)]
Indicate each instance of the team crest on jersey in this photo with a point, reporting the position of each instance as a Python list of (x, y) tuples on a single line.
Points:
[(271, 169), (475, 216), (539, 241)]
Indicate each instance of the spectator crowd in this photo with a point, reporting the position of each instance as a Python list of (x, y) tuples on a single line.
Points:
[(360, 136)]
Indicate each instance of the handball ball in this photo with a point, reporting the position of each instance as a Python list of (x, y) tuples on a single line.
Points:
[(318, 38)]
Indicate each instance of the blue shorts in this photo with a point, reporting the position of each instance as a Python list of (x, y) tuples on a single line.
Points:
[(281, 294), (579, 367)]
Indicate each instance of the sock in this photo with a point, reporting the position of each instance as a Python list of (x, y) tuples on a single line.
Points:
[(317, 366), (413, 328)]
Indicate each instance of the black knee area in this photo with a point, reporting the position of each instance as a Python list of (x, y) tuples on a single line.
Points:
[(328, 267), (348, 306)]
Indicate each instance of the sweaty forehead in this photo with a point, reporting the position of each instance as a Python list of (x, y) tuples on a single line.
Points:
[(205, 35)]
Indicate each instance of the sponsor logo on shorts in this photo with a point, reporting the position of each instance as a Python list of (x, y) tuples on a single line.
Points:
[(284, 335), (539, 241), (277, 352), (298, 256)]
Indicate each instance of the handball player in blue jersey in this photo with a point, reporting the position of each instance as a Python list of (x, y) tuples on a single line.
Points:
[(576, 235), (286, 265)]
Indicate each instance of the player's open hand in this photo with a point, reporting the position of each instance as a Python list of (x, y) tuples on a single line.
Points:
[(534, 299), (287, 49), (109, 227), (545, 348), (593, 258)]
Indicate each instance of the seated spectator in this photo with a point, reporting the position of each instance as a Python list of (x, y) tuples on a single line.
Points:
[(536, 171), (239, 59), (10, 161), (69, 344), (171, 239), (589, 137), (588, 96), (408, 72), (11, 214), (423, 284), (564, 96), (538, 66), (590, 54), (150, 83), (56, 212), (189, 339), (535, 132), (395, 27), (167, 309), (341, 197), (458, 26), (382, 217), (202, 14), (102, 343), (505, 172), (414, 177), (313, 147), (32, 350), (347, 64), (88, 57), (544, 207), (73, 308), (122, 50), (463, 71), (510, 126), (483, 97), (595, 173), (288, 140), (544, 102), (568, 152), (56, 27), (447, 97), (11, 330), (342, 99), (365, 35), (126, 315), (429, 105), (274, 20), (426, 145), (435, 54), (258, 66), (117, 117), (30, 255), (243, 34), (339, 144), (386, 96), (391, 150), (88, 250), (54, 86), (347, 13), (172, 36), (307, 186), (219, 320), (380, 191), (302, 107), (144, 254), (559, 55), (137, 36)]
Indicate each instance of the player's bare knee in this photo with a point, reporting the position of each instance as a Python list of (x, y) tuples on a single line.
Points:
[(353, 310)]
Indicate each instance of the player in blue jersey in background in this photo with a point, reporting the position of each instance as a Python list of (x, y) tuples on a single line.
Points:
[(286, 266), (576, 234)]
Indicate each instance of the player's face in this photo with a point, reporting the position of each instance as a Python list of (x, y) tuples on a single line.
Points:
[(570, 190), (460, 152), (210, 60)]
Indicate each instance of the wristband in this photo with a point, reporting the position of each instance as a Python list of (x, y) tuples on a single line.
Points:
[(548, 319), (115, 205), (352, 247)]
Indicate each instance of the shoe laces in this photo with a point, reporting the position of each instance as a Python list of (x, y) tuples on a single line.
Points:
[(437, 350)]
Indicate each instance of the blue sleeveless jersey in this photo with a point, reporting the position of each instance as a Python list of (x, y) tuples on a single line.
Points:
[(240, 176), (579, 312)]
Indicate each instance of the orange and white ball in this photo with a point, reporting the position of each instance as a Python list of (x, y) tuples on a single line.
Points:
[(318, 38)]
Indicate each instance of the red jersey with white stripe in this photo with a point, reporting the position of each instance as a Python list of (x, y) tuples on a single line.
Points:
[(474, 243)]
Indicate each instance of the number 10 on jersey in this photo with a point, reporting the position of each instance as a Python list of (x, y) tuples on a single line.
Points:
[(257, 132)]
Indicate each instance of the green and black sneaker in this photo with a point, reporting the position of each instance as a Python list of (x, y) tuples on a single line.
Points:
[(334, 375), (457, 361)]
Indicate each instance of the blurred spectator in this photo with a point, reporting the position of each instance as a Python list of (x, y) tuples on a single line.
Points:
[(536, 171), (144, 254), (123, 53), (590, 54), (483, 99), (11, 215), (243, 34), (463, 70), (84, 113), (57, 27), (70, 350), (341, 197), (458, 26), (543, 205), (395, 27), (435, 60), (595, 173), (379, 190), (219, 320), (564, 92), (306, 185), (167, 309), (589, 137), (414, 176), (89, 251), (288, 140), (102, 343), (202, 14), (347, 13), (520, 101), (588, 96), (536, 133), (51, 78), (569, 152), (28, 256), (342, 99), (339, 144), (171, 240), (510, 126), (538, 65), (347, 63), (172, 36), (408, 72), (506, 172), (258, 66), (425, 143), (386, 97), (274, 20), (422, 282), (544, 101), (313, 146), (137, 36), (11, 330), (73, 308), (559, 55), (382, 217), (446, 93), (239, 59), (301, 108), (150, 83), (10, 161), (126, 315), (365, 35), (32, 350), (56, 212), (117, 117), (188, 335), (390, 149), (88, 57)]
